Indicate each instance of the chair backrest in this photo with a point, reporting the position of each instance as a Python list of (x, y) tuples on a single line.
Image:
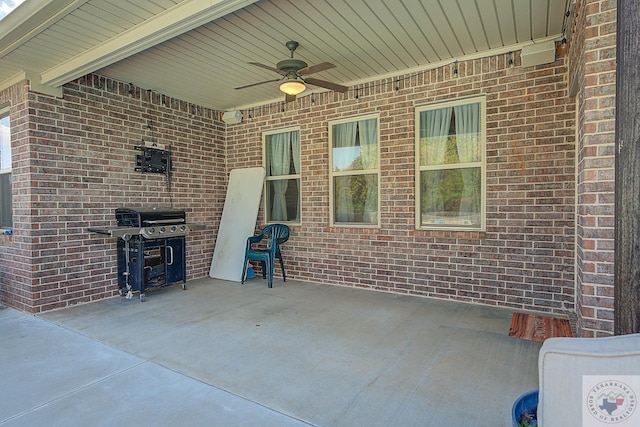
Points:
[(277, 232), (567, 366)]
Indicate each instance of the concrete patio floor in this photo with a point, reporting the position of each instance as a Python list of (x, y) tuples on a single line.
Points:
[(225, 354)]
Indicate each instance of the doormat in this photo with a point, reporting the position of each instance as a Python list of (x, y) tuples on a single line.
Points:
[(538, 328)]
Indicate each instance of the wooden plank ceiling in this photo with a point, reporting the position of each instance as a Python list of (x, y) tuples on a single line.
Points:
[(199, 51)]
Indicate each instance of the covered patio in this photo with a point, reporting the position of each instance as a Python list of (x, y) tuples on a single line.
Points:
[(301, 353)]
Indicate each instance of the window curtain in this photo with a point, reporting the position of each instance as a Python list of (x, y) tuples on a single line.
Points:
[(295, 149), (467, 131), (5, 143), (434, 133), (344, 135), (368, 132), (280, 147)]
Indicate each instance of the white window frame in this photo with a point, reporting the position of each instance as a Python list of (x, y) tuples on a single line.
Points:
[(267, 213), (332, 174), (482, 163), (4, 112)]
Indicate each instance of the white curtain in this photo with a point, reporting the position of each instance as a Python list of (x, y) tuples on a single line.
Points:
[(467, 131), (280, 146), (344, 135), (368, 132), (434, 133), (5, 143), (467, 142), (295, 149)]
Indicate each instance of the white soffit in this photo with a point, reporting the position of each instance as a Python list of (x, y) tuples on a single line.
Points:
[(197, 50), (183, 17)]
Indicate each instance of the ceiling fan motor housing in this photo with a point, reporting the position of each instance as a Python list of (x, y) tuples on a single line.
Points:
[(291, 65)]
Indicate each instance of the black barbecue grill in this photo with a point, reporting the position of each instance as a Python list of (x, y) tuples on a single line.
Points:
[(151, 248)]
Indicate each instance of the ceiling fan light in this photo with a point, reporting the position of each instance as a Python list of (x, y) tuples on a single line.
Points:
[(292, 87)]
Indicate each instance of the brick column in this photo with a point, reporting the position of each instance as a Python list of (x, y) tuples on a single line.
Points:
[(594, 75), (16, 273)]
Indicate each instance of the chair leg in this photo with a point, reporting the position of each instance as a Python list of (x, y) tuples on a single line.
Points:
[(264, 269), (244, 270), (284, 276), (269, 274)]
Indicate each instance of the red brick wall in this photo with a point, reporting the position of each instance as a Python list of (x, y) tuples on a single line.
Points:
[(594, 61), (74, 165), (524, 260), (79, 168)]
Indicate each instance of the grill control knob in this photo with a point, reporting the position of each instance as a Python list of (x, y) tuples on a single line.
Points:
[(173, 229), (183, 228), (162, 230), (151, 230)]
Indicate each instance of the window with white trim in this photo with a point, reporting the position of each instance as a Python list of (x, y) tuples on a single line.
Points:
[(6, 217), (353, 171), (450, 159), (282, 164)]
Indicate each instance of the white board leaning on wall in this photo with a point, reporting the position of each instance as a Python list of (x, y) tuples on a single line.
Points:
[(238, 222)]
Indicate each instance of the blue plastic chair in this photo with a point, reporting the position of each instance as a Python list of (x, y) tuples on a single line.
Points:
[(275, 235)]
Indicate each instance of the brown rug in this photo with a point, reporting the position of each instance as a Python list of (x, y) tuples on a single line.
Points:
[(538, 328)]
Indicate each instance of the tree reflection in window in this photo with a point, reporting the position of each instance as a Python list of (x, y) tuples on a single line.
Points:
[(450, 166), (355, 172)]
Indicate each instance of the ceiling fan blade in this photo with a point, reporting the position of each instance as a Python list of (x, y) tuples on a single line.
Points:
[(266, 67), (316, 68), (256, 84), (327, 85), (289, 98)]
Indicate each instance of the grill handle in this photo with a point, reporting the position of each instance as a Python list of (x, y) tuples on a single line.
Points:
[(163, 221), (170, 262)]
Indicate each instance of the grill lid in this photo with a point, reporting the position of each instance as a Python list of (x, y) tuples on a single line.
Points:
[(146, 216), (150, 223)]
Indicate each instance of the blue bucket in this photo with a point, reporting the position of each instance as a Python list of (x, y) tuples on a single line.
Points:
[(528, 403)]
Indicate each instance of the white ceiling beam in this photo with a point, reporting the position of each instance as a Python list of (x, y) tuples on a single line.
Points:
[(30, 19), (181, 18), (34, 83)]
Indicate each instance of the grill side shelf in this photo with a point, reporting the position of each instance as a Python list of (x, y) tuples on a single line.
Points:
[(116, 232)]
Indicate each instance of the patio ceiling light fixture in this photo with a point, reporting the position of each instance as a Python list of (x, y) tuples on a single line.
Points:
[(292, 86)]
